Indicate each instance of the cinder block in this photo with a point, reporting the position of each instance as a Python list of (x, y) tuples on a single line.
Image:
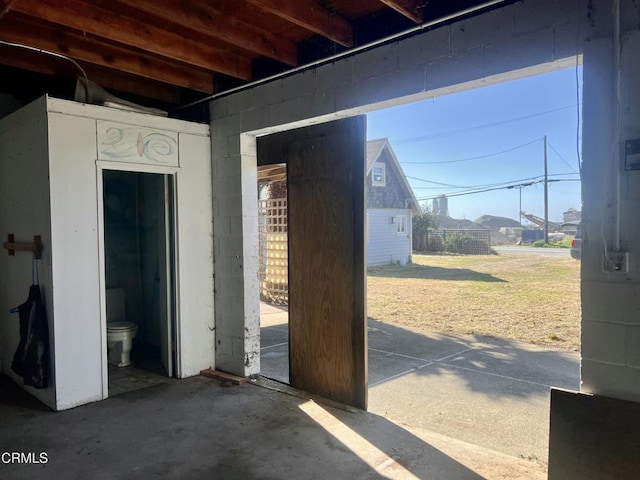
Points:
[(424, 47), (401, 83), (357, 94), (219, 108), (616, 381), (460, 68), (255, 119), (221, 226), (320, 103), (613, 302), (299, 85), (333, 74), (519, 52), (532, 15), (492, 27), (375, 62), (269, 93), (603, 342), (632, 346), (567, 40), (241, 101), (285, 112)]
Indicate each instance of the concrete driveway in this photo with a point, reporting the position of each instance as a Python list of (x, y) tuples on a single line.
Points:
[(485, 391)]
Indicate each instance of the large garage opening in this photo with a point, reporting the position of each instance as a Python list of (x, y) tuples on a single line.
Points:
[(473, 293), (473, 203)]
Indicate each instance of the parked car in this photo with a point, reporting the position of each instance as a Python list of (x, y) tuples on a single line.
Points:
[(576, 245)]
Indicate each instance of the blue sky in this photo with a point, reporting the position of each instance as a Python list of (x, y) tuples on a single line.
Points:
[(511, 118)]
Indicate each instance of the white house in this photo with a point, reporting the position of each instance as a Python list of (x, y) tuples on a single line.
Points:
[(390, 203)]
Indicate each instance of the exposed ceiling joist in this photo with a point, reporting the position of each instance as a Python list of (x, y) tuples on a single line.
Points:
[(312, 16), (412, 9), (207, 20), (107, 24), (107, 78), (89, 49)]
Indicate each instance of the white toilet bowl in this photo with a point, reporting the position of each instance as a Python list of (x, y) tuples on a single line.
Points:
[(120, 337)]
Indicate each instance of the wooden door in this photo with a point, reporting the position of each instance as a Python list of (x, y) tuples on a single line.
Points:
[(327, 313)]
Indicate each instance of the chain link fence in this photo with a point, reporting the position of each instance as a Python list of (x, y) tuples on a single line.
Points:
[(467, 242)]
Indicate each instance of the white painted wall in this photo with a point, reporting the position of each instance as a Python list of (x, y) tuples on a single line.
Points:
[(384, 245), (513, 41), (195, 256), (64, 202), (24, 211), (75, 254)]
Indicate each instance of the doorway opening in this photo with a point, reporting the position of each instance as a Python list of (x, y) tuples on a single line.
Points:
[(139, 232), (273, 272)]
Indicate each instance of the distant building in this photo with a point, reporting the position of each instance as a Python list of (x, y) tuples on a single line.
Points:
[(572, 216), (440, 206)]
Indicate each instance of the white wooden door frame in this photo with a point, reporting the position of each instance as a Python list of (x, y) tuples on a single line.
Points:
[(172, 262)]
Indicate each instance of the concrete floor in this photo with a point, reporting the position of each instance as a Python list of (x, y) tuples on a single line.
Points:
[(485, 391), (199, 429)]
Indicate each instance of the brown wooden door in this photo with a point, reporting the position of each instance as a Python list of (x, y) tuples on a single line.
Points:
[(327, 310)]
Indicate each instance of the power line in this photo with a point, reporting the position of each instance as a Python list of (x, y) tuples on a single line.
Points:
[(561, 157), (505, 187), (473, 187), (433, 136), (474, 158)]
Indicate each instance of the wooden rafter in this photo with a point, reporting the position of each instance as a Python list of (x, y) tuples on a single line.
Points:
[(412, 9), (312, 16), (109, 79), (127, 31), (87, 48), (207, 20)]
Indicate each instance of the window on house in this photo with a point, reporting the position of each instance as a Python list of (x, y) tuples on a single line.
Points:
[(401, 224), (378, 175)]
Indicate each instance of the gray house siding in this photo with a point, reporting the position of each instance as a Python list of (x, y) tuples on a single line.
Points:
[(384, 244), (392, 195)]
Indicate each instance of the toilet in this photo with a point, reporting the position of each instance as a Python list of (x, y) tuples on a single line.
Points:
[(120, 333), (120, 337)]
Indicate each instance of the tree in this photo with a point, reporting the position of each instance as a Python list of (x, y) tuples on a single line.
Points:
[(422, 223)]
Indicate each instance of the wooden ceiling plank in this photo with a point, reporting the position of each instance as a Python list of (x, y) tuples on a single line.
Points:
[(312, 16), (206, 19), (412, 9), (109, 79), (107, 24), (91, 50)]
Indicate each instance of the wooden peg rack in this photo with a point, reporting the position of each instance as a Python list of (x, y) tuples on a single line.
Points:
[(36, 247)]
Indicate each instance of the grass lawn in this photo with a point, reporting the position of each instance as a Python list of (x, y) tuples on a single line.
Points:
[(532, 299)]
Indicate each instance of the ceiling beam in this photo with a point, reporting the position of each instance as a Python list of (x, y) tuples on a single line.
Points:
[(35, 62), (107, 24), (312, 16), (412, 9), (204, 18), (89, 49)]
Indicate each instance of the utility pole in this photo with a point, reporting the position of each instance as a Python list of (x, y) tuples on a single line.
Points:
[(520, 210), (546, 194)]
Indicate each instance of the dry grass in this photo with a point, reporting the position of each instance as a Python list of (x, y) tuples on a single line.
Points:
[(532, 299)]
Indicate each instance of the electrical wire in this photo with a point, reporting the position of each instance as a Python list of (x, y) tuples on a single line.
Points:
[(460, 194), (450, 133), (473, 158), (561, 157), (53, 54)]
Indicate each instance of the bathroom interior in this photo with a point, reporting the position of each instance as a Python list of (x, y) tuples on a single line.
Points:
[(139, 278)]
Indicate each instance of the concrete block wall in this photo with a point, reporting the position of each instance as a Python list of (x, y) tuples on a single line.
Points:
[(611, 302), (520, 39)]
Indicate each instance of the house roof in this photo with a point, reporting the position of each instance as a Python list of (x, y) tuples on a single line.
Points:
[(375, 149)]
